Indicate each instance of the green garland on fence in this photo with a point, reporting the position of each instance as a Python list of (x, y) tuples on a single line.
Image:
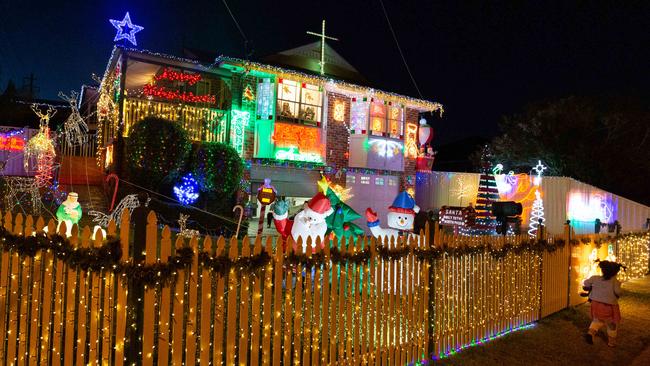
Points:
[(89, 259), (107, 256)]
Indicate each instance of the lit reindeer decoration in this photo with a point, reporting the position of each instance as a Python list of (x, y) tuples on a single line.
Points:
[(74, 128), (41, 148)]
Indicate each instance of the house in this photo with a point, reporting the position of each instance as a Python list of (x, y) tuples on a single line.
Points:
[(286, 121)]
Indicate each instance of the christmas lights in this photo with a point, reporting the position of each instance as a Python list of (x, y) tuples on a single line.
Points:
[(41, 147), (410, 138), (238, 125), (265, 99), (173, 75), (342, 87), (175, 95), (74, 127), (126, 29), (292, 153), (537, 215), (11, 143), (188, 192), (339, 111)]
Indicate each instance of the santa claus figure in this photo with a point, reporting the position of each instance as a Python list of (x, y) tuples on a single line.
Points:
[(308, 223), (400, 217)]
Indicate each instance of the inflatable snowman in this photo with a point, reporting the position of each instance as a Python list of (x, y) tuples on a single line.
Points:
[(400, 217), (308, 223)]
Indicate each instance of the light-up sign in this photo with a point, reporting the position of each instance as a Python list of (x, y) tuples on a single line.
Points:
[(385, 148), (238, 129), (265, 100), (297, 142), (11, 143), (292, 153), (410, 140), (589, 207), (339, 111)]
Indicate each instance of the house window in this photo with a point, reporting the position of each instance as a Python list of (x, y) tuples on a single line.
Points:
[(395, 122), (350, 179), (379, 181), (299, 102), (392, 182), (377, 118), (365, 180)]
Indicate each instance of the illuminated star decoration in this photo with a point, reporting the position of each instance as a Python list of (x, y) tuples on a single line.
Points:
[(539, 168), (129, 32)]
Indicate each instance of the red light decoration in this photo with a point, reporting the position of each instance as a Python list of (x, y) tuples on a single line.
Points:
[(187, 97), (307, 139), (172, 75), (152, 90), (12, 143)]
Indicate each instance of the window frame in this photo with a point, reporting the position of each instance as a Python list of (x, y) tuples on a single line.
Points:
[(300, 104)]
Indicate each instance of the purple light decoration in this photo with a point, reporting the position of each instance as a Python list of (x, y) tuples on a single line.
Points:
[(481, 341)]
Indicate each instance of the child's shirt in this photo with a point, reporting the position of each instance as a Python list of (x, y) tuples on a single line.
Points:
[(605, 291)]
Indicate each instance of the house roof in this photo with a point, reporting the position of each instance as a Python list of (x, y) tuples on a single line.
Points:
[(331, 82), (307, 58)]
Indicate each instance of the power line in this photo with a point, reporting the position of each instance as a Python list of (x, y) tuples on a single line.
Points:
[(399, 48), (235, 20)]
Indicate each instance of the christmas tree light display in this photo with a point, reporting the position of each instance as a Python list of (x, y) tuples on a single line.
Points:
[(487, 193), (537, 213)]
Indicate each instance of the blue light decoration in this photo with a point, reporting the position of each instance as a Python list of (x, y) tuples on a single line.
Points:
[(188, 192), (126, 29)]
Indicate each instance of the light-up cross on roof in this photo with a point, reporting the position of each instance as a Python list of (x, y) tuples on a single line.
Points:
[(322, 46)]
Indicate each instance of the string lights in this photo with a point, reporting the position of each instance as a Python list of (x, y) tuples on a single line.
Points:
[(41, 148)]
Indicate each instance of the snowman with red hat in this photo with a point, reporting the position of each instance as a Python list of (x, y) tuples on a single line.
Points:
[(308, 223), (401, 217)]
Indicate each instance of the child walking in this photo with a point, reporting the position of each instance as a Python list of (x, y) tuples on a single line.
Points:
[(604, 292)]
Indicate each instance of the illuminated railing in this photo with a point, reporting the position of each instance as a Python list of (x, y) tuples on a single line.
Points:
[(201, 123)]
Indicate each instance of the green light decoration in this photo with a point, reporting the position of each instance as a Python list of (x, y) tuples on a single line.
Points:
[(340, 222), (217, 168), (238, 128), (156, 148), (292, 153)]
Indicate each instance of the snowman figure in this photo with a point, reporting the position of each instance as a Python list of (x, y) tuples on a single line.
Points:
[(400, 217), (308, 223)]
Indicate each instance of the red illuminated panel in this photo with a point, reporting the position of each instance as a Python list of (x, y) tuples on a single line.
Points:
[(307, 139), (13, 143)]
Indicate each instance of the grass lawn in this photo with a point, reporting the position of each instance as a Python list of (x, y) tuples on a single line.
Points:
[(558, 339)]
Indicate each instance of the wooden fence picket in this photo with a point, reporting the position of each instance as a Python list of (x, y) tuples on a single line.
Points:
[(150, 258), (244, 327), (231, 314), (190, 323), (206, 302), (219, 310), (121, 307), (268, 300), (95, 289), (164, 321), (178, 312), (255, 344)]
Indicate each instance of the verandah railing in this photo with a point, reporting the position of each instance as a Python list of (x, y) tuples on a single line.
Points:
[(223, 301)]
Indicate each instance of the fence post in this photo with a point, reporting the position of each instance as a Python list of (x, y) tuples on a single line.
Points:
[(567, 237)]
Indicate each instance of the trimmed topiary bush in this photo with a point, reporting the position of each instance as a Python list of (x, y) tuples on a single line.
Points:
[(218, 169), (156, 148)]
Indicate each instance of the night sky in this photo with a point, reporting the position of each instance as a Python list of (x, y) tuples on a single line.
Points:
[(479, 60)]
